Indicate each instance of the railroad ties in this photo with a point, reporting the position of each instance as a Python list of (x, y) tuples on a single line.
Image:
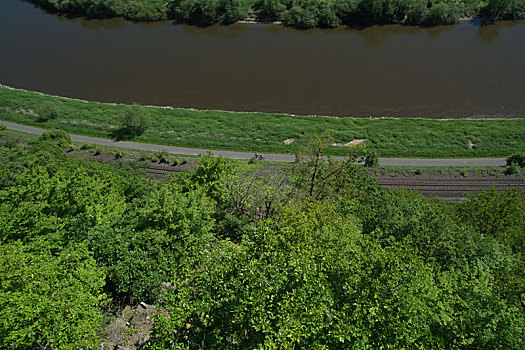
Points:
[(451, 189)]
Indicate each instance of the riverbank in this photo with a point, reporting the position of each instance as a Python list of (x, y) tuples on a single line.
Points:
[(307, 14), (267, 133)]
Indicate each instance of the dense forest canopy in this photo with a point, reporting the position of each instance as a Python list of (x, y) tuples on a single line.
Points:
[(312, 256), (296, 13)]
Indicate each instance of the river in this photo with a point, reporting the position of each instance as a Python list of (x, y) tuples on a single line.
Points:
[(464, 70)]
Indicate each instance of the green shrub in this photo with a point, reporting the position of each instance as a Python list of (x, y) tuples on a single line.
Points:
[(119, 154), (442, 13), (371, 159), (135, 120), (163, 157), (87, 146), (516, 159), (49, 300), (2, 127), (512, 169), (60, 137), (47, 111)]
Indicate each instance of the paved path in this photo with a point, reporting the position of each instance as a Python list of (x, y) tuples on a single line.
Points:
[(247, 155)]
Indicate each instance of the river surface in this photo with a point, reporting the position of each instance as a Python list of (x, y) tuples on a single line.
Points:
[(465, 70)]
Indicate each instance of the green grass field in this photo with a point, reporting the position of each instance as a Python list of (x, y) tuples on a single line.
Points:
[(262, 132)]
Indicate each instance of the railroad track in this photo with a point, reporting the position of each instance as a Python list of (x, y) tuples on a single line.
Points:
[(160, 172), (451, 189)]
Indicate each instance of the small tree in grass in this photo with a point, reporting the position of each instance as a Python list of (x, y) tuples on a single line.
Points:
[(135, 119), (47, 111)]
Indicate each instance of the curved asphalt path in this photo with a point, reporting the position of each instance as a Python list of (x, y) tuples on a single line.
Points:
[(246, 155)]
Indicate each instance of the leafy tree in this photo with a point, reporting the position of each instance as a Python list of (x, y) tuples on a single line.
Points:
[(320, 176), (234, 10), (498, 7), (135, 120), (306, 16), (269, 10), (199, 12), (327, 15), (347, 11), (442, 13), (417, 12), (152, 237), (47, 300), (47, 111), (309, 279)]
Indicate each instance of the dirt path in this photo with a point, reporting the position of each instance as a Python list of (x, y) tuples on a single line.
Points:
[(248, 155)]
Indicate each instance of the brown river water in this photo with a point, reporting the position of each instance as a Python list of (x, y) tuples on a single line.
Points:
[(464, 70)]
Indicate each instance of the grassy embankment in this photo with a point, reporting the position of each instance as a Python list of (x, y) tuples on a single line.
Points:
[(266, 133)]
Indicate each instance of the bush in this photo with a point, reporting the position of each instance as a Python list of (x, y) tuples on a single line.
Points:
[(417, 12), (234, 10), (47, 111), (163, 157), (60, 137), (2, 127), (512, 170), (371, 159), (135, 119), (49, 300), (442, 13), (516, 159), (303, 17), (199, 12), (269, 10), (87, 146), (119, 154)]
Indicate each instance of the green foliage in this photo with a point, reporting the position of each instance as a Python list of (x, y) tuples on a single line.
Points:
[(136, 10), (49, 300), (371, 159), (442, 13), (163, 157), (119, 154), (300, 13), (269, 10), (235, 10), (516, 159), (149, 240), (2, 127), (134, 122), (254, 260), (322, 177), (200, 12), (60, 137), (47, 111), (311, 283), (497, 214), (512, 169)]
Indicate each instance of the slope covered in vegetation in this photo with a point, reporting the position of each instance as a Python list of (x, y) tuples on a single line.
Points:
[(314, 257), (297, 13)]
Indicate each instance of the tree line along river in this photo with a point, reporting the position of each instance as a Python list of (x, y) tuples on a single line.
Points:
[(464, 70)]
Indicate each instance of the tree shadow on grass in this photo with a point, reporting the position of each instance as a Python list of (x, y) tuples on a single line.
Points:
[(125, 133)]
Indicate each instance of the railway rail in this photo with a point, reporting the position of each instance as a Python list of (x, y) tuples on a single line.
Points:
[(449, 189)]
